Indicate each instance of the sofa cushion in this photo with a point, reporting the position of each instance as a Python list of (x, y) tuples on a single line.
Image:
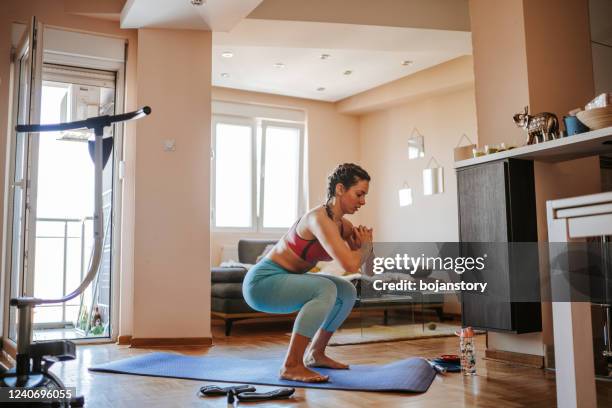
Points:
[(227, 290), (227, 275), (230, 305), (250, 249)]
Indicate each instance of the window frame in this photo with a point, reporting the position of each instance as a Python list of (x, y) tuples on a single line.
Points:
[(300, 199), (255, 124)]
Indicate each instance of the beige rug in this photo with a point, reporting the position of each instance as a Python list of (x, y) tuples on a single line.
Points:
[(380, 333)]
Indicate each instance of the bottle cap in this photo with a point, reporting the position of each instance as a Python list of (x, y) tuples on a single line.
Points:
[(467, 332)]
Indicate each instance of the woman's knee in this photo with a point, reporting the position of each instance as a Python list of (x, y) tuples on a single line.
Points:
[(327, 291), (346, 290)]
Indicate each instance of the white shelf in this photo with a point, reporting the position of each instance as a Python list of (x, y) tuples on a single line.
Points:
[(591, 143)]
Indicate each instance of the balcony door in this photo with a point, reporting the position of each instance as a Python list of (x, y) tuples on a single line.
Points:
[(26, 88), (51, 183), (64, 194)]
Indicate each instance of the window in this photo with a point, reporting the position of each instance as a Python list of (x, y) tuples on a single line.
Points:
[(257, 173), (234, 175)]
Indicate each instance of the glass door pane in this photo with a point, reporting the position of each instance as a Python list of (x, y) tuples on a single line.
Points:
[(25, 110), (65, 206)]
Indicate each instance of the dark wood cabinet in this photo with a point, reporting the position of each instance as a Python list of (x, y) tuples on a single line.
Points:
[(497, 206)]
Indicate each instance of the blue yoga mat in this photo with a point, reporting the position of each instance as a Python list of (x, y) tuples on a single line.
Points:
[(410, 375)]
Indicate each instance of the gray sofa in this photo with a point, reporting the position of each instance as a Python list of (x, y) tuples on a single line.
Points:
[(227, 301), (229, 305)]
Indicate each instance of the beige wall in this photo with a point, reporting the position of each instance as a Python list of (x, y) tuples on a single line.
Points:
[(500, 68), (171, 228), (433, 14), (559, 63), (332, 138), (52, 12), (519, 60), (442, 120)]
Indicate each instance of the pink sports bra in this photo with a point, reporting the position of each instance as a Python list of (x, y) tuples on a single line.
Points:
[(309, 250)]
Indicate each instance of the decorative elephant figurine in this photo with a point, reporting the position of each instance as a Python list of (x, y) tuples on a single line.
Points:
[(540, 127)]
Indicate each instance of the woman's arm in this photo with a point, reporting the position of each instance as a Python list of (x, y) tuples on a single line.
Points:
[(326, 231), (347, 229), (348, 234)]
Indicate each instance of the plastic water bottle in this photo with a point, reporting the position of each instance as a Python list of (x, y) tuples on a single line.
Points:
[(467, 350)]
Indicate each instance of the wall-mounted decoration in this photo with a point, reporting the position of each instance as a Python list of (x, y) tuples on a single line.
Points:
[(405, 195), (416, 145), (433, 178), (464, 152)]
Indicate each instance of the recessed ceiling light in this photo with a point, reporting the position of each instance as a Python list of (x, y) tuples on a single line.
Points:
[(227, 54), (224, 75), (407, 63), (348, 72), (324, 56), (279, 65), (320, 89)]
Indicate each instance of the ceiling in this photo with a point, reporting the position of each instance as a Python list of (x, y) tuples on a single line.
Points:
[(372, 52), (213, 15)]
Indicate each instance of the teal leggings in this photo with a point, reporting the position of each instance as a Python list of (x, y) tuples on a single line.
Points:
[(324, 301)]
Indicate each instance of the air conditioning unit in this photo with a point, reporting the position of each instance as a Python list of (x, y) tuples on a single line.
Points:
[(82, 102)]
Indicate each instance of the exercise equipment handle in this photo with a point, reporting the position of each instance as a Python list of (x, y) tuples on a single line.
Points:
[(89, 123), (97, 124)]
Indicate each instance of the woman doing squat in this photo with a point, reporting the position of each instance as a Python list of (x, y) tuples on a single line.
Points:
[(279, 283)]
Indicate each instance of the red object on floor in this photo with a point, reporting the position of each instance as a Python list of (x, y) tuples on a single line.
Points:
[(451, 358)]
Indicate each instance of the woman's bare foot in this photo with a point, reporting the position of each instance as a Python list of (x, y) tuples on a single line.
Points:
[(301, 373), (321, 360)]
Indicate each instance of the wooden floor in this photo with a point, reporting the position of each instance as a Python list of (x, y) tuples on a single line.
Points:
[(496, 385)]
